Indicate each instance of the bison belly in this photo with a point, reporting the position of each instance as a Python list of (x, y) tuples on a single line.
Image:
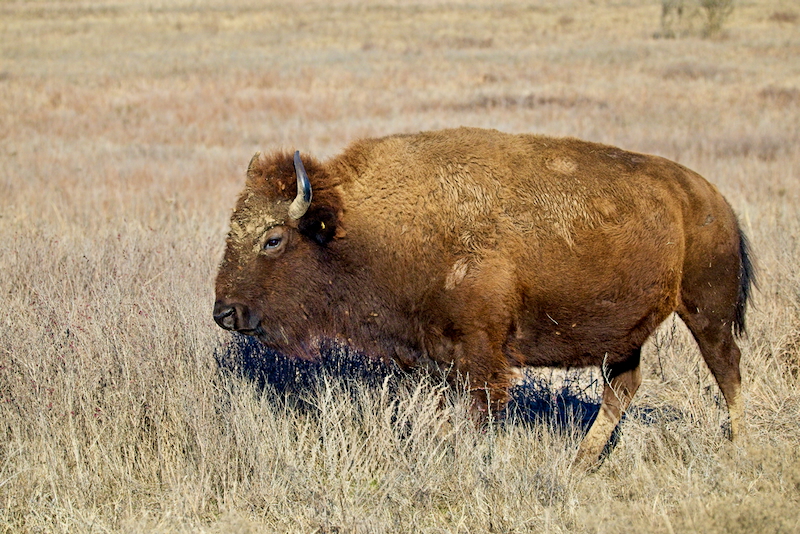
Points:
[(600, 300)]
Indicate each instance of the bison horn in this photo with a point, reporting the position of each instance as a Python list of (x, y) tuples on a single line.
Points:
[(251, 167), (302, 201)]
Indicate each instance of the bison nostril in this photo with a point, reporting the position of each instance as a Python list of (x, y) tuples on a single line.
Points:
[(236, 316), (225, 316)]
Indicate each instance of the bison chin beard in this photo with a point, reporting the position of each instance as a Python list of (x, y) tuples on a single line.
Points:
[(303, 348)]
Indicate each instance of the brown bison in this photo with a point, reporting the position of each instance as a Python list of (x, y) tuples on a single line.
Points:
[(487, 252)]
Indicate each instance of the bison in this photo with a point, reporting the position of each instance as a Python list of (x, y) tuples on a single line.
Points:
[(485, 252)]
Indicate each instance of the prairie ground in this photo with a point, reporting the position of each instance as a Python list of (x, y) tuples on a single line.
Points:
[(125, 129)]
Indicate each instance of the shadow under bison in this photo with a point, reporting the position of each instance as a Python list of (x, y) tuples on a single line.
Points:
[(535, 400)]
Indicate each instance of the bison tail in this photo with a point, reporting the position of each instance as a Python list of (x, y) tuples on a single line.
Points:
[(747, 280)]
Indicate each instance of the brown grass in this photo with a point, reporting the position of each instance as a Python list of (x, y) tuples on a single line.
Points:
[(789, 17), (124, 132)]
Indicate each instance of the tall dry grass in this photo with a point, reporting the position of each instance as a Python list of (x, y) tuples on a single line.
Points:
[(124, 131)]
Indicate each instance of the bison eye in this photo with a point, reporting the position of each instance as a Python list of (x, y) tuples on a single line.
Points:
[(272, 243)]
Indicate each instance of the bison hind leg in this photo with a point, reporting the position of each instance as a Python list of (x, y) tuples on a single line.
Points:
[(621, 382), (715, 339), (713, 300)]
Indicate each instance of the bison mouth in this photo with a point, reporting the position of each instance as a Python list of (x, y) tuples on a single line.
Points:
[(255, 332)]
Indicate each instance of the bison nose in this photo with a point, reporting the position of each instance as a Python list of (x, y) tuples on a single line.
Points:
[(233, 316), (225, 316)]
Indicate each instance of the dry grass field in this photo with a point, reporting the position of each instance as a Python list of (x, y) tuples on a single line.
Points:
[(125, 130)]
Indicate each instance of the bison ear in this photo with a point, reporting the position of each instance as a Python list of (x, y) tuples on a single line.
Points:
[(320, 224)]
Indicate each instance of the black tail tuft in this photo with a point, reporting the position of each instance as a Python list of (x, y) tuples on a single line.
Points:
[(747, 280)]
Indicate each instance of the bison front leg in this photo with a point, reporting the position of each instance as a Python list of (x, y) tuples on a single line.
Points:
[(621, 383), (480, 361)]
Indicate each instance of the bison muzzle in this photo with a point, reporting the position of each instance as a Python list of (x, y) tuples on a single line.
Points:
[(486, 252)]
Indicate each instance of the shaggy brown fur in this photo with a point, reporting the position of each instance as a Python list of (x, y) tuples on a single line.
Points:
[(489, 252)]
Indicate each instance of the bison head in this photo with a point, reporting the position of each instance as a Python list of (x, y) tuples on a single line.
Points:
[(272, 281)]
